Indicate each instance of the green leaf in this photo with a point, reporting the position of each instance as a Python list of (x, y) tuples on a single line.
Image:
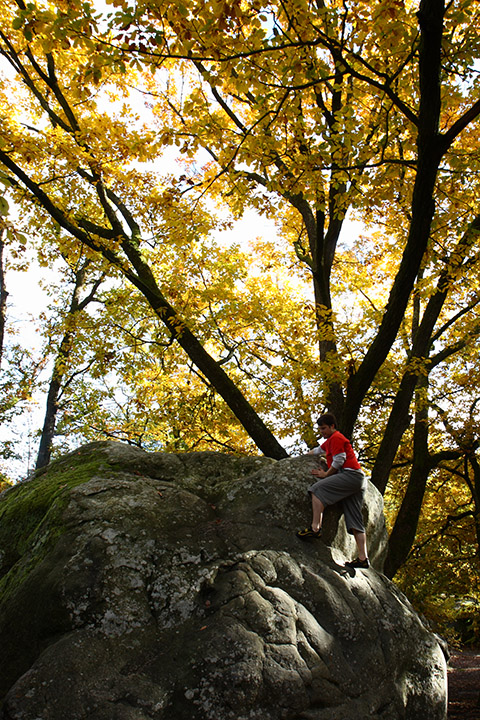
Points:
[(3, 206)]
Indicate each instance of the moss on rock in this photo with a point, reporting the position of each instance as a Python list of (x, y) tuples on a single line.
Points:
[(30, 512)]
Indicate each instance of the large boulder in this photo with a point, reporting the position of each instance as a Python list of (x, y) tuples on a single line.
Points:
[(141, 586)]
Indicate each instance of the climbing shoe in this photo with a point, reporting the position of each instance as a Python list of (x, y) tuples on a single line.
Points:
[(309, 534), (363, 564)]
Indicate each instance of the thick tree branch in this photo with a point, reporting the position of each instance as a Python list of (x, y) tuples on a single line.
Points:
[(468, 117)]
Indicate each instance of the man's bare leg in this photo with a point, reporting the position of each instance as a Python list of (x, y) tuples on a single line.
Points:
[(317, 513)]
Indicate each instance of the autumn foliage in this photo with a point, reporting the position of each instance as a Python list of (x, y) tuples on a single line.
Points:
[(132, 139)]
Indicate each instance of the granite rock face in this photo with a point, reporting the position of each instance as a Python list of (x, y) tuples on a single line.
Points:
[(140, 586)]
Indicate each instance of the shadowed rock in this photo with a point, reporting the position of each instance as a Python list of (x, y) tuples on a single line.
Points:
[(172, 587)]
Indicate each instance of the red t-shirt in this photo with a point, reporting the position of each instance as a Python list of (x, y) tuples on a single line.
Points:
[(336, 444)]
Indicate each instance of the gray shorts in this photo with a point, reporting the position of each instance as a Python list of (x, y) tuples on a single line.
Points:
[(347, 487)]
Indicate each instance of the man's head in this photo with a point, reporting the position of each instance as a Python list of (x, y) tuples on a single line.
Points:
[(327, 424), (327, 419)]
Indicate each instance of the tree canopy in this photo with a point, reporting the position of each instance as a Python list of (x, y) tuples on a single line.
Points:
[(309, 112)]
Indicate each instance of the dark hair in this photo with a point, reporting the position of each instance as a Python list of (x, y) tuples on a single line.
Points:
[(327, 419)]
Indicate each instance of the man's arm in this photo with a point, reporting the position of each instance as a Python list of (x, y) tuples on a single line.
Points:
[(337, 464), (316, 451)]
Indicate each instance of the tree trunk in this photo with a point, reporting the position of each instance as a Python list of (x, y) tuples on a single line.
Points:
[(59, 370), (3, 296), (398, 421), (51, 411), (430, 151), (399, 417), (405, 528), (475, 488)]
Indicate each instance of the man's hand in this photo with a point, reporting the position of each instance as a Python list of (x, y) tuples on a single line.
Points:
[(319, 473)]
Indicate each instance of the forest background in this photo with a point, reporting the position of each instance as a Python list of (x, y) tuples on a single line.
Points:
[(307, 115)]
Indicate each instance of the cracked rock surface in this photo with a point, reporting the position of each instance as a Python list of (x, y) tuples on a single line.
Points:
[(137, 586)]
